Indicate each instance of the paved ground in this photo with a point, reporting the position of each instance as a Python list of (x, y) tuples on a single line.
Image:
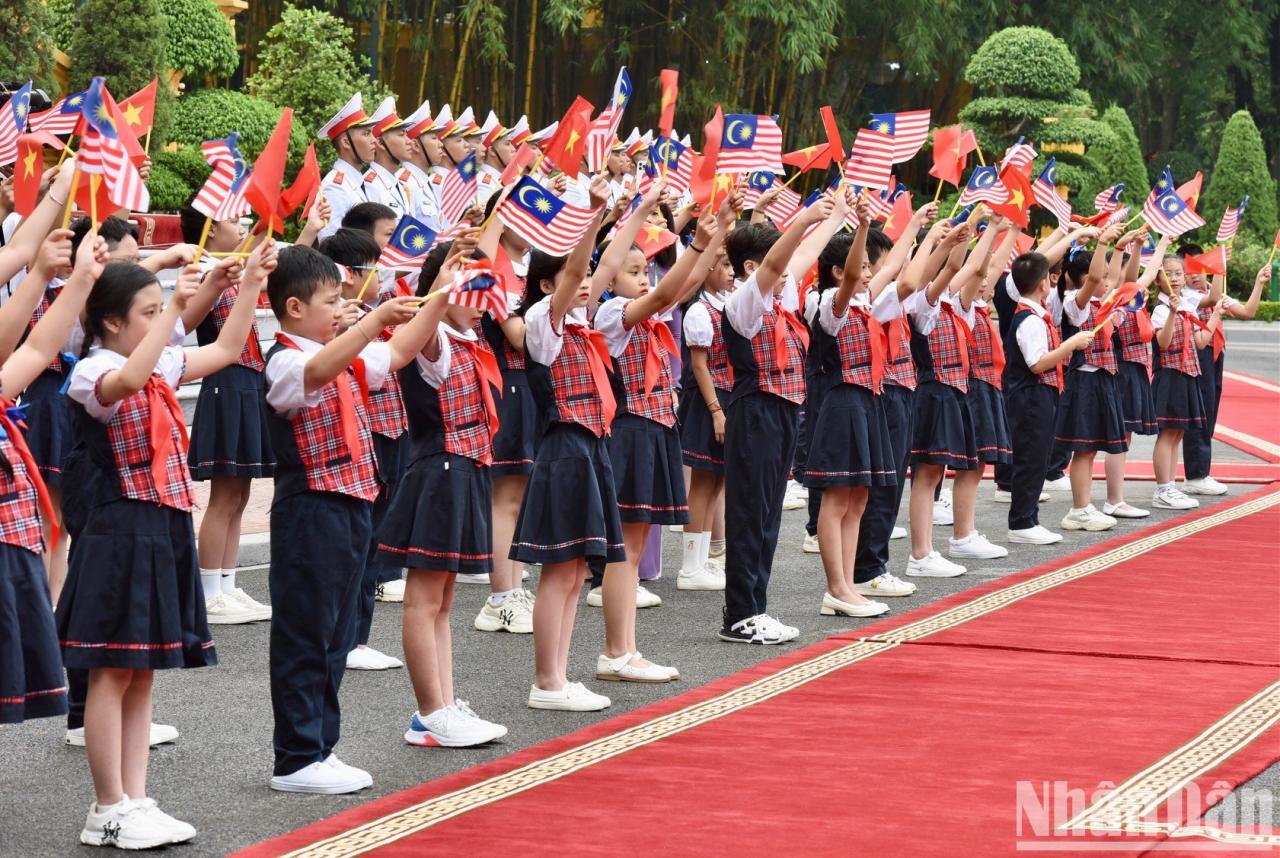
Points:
[(216, 775)]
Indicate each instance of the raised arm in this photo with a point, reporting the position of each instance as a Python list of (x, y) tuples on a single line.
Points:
[(239, 324), (852, 274), (954, 244), (974, 270), (897, 256), (616, 253), (672, 284), (15, 314), (420, 334), (575, 267), (806, 255), (121, 383), (1249, 309), (774, 265), (21, 249), (221, 276)]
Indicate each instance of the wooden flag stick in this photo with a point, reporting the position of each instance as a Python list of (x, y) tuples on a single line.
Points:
[(146, 146), (94, 180), (66, 150), (226, 253), (797, 175), (367, 280), (1138, 216), (1272, 255), (71, 198), (981, 161), (938, 193), (204, 236)]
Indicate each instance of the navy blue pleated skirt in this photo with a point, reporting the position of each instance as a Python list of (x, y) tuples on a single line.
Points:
[(701, 450), (229, 435), (648, 471), (439, 517), (943, 432), (31, 679), (990, 426), (1090, 416), (1178, 401), (48, 418), (570, 507), (1136, 400), (850, 445), (519, 426), (132, 598)]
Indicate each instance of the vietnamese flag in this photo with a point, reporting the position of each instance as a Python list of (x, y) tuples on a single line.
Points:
[(815, 157), (1018, 207), (652, 240), (951, 148), (262, 191), (139, 109), (1212, 262), (670, 86), (704, 184), (835, 147), (568, 145), (123, 130), (523, 159), (304, 187), (899, 216), (1190, 191)]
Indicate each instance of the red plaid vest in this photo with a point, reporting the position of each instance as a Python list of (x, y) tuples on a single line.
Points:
[(899, 368), (718, 355), (464, 409), (1219, 334), (1135, 339), (323, 454), (19, 497), (207, 331), (986, 356), (945, 356), (1101, 351), (779, 374), (646, 346), (386, 405), (574, 382), (861, 345), (134, 449), (1180, 354), (1050, 377)]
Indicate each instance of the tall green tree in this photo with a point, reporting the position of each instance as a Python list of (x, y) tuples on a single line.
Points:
[(1115, 157), (26, 47), (1241, 169)]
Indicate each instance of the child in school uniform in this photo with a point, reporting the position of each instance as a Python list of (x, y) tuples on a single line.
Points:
[(31, 680), (326, 481), (570, 509), (229, 443), (357, 251), (1032, 384), (437, 523), (1178, 400), (132, 603)]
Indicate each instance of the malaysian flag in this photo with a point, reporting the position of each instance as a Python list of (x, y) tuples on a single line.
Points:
[(984, 186), (674, 158), (221, 196), (1108, 199), (479, 287), (409, 243), (1019, 156), (103, 152), (546, 222), (605, 127), (1169, 214), (13, 123), (1148, 248), (1046, 195), (871, 160), (882, 203), (909, 130), (750, 143), (785, 206), (459, 190), (1231, 221), (63, 117), (757, 183), (1164, 183)]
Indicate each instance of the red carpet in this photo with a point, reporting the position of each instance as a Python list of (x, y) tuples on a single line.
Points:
[(978, 725), (1249, 417)]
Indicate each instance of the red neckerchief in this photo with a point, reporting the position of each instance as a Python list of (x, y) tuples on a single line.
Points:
[(875, 339), (948, 309), (33, 472), (1145, 331), (786, 319), (597, 350), (893, 331), (660, 340), (164, 413), (489, 376), (346, 402), (1055, 340), (997, 347)]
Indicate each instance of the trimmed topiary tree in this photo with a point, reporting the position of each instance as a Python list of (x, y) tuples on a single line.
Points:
[(1241, 169), (26, 44), (1117, 157), (62, 22), (200, 41), (212, 113), (168, 190)]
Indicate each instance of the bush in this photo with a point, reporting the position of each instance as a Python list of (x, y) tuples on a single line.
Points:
[(1024, 61), (26, 44), (62, 22), (187, 163), (1268, 311), (213, 113), (1241, 169), (1242, 266), (1120, 159), (169, 192), (200, 40)]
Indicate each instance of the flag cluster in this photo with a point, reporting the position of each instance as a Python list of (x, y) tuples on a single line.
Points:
[(411, 241), (544, 220), (103, 151), (480, 287), (221, 197)]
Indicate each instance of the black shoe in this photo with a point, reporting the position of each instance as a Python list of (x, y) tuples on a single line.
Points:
[(747, 632)]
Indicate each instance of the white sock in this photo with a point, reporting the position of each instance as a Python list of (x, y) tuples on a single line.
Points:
[(497, 599), (211, 581), (228, 580), (704, 548), (1163, 487), (692, 545), (717, 545)]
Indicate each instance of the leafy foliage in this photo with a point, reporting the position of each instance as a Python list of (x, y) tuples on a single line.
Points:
[(1024, 60), (169, 192), (1241, 169), (26, 43), (200, 40), (62, 21), (1113, 156), (186, 163), (212, 113)]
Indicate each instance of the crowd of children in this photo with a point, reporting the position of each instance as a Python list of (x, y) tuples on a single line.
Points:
[(416, 443)]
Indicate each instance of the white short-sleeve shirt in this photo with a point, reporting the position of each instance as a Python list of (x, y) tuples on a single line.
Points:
[(285, 374), (100, 361)]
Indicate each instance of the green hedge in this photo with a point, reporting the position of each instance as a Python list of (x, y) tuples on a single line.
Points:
[(1268, 311), (200, 41), (212, 113), (169, 191)]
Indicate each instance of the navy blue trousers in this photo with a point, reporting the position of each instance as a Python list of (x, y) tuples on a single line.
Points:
[(883, 502), (319, 543), (1032, 413), (1197, 441), (760, 441)]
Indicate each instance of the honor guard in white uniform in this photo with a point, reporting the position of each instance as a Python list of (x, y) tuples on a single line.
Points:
[(417, 165), (382, 181), (350, 131)]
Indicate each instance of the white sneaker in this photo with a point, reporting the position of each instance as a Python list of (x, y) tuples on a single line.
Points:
[(1171, 498), (977, 547), (474, 578), (358, 774), (179, 831), (810, 545), (1206, 486), (1087, 519), (781, 630), (942, 513), (161, 734), (368, 658), (514, 615), (898, 533), (451, 727), (1061, 484), (831, 607), (933, 565), (574, 697), (676, 528), (796, 496), (322, 779), (260, 611), (700, 579), (1001, 496), (124, 825), (221, 610), (1124, 510), (621, 669), (750, 631), (390, 591), (646, 598), (885, 584), (716, 565), (1038, 535)]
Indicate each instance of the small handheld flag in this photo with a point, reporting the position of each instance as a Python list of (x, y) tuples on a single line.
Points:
[(1044, 188), (459, 189), (908, 129), (480, 286), (984, 186), (1169, 215), (1231, 221), (409, 243), (670, 86), (605, 127), (1108, 199), (542, 219), (13, 123), (750, 143)]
